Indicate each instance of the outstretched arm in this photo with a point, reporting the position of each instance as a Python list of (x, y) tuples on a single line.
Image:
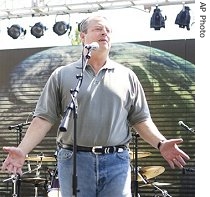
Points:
[(168, 148), (16, 155)]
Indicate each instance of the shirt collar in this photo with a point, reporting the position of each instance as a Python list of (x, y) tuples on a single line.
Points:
[(108, 65)]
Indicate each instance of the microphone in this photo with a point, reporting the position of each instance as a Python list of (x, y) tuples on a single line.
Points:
[(92, 46), (181, 123), (186, 170)]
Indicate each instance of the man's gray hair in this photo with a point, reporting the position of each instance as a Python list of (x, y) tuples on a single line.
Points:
[(83, 25)]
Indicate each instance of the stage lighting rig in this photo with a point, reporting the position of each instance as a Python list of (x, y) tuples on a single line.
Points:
[(61, 27), (183, 18), (38, 30), (157, 20), (15, 31)]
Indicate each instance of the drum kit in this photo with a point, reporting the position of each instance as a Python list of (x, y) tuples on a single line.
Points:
[(144, 175), (51, 184)]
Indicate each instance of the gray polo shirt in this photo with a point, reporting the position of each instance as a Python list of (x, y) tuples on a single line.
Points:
[(109, 103)]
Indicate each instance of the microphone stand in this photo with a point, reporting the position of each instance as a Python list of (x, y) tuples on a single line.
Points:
[(16, 179), (73, 106)]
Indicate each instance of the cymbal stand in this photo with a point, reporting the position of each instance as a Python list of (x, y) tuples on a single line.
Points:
[(136, 135), (37, 175), (164, 192), (15, 178), (143, 177), (145, 180)]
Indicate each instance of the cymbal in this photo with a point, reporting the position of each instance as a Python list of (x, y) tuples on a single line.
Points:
[(139, 154), (35, 180), (40, 158), (155, 184), (149, 172)]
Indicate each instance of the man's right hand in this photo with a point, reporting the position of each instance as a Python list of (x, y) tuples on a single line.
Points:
[(15, 160)]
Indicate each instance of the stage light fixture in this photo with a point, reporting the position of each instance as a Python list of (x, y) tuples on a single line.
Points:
[(38, 30), (157, 20), (183, 18), (15, 31), (61, 27)]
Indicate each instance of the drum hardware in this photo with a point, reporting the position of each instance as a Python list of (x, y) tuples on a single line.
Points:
[(16, 177), (155, 183), (151, 175), (163, 192), (54, 187), (35, 180)]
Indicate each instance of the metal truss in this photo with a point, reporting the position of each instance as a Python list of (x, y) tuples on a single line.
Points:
[(18, 9)]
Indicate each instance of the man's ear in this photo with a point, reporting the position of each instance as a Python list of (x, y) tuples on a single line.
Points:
[(82, 36)]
